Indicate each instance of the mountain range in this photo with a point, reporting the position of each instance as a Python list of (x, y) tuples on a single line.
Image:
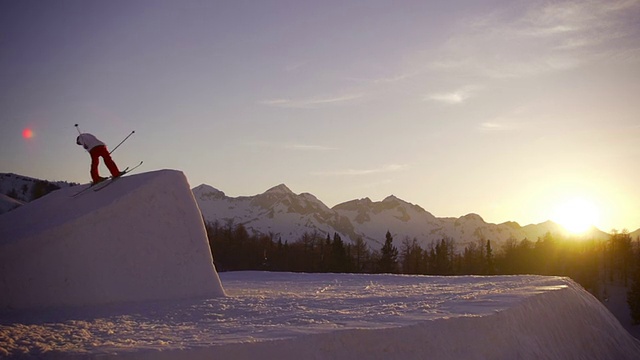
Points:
[(288, 216), (285, 215), (16, 190)]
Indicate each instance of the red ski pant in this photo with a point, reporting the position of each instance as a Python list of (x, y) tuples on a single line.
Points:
[(102, 152)]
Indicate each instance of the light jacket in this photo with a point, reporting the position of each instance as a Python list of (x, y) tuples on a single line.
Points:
[(88, 141)]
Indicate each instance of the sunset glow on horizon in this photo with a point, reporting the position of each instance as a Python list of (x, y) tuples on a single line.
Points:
[(518, 111)]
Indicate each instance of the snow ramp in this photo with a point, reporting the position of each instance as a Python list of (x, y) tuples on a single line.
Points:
[(141, 238)]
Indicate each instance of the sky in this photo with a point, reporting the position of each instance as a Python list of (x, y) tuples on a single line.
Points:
[(507, 109)]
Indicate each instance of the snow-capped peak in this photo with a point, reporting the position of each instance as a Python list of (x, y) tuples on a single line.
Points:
[(279, 189), (354, 205), (390, 198), (312, 199), (205, 191), (393, 201), (473, 217)]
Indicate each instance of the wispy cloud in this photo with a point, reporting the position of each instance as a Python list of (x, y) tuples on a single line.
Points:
[(311, 103), (360, 172), (449, 98), (393, 79), (517, 118), (454, 97), (580, 23), (493, 126), (543, 37)]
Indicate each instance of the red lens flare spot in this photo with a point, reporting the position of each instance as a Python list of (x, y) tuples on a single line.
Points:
[(27, 133)]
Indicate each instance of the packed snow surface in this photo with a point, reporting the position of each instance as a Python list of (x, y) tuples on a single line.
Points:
[(337, 316), (140, 238)]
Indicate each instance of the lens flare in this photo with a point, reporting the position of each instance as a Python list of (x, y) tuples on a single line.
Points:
[(27, 133)]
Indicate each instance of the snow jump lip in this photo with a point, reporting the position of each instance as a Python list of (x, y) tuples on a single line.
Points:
[(54, 210)]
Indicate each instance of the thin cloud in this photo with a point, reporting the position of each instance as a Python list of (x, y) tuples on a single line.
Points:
[(455, 97), (542, 38), (360, 172), (311, 103), (581, 23), (449, 98), (517, 118)]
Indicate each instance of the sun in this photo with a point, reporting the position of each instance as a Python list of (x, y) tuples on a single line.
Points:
[(576, 215)]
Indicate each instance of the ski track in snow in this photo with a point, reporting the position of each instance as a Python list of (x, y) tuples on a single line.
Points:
[(265, 306)]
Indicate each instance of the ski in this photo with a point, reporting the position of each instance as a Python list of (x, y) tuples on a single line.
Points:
[(98, 186), (111, 180), (92, 185)]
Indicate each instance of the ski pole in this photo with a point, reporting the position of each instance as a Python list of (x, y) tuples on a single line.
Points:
[(125, 139)]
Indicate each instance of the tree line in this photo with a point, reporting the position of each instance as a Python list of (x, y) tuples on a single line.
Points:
[(588, 262), (35, 189)]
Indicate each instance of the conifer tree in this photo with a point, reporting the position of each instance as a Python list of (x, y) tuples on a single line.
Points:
[(339, 261), (360, 255), (490, 268), (388, 262), (411, 257)]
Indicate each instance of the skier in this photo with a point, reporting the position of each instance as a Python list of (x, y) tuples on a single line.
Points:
[(97, 149)]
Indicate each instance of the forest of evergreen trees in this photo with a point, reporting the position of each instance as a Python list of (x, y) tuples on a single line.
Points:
[(588, 262)]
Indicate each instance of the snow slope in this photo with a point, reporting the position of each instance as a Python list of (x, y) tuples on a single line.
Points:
[(338, 316), (7, 203), (141, 238)]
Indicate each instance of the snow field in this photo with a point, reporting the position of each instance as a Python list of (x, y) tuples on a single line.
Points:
[(338, 316)]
